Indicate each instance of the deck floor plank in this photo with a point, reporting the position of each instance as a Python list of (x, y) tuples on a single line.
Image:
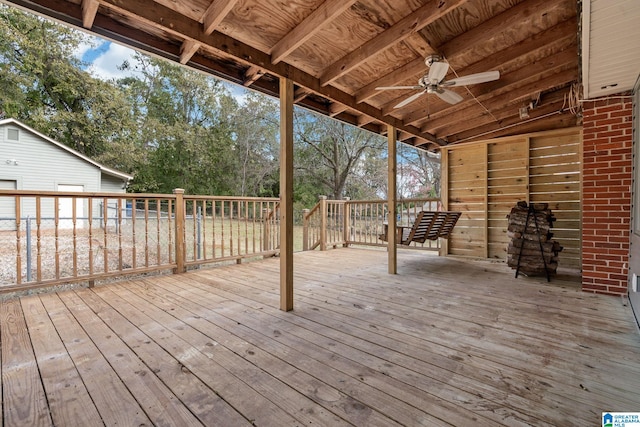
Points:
[(229, 334), (447, 341), (444, 372), (206, 359), (114, 402), (457, 406), (160, 405), (616, 381), (69, 400), (24, 400)]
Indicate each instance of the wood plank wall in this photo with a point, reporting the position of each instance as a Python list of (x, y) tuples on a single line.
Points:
[(484, 180)]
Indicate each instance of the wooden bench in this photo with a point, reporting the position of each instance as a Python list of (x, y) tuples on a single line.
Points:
[(428, 225)]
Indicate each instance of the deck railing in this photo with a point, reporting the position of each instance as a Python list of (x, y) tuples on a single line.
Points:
[(331, 223), (53, 238)]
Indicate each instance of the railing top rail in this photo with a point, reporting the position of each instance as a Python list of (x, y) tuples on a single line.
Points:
[(312, 210), (412, 200), (33, 193), (233, 198)]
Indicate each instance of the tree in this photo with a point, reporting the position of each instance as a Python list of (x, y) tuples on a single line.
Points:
[(256, 134), (185, 121), (329, 152), (45, 86)]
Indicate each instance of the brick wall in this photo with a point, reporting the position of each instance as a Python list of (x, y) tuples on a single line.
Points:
[(607, 172)]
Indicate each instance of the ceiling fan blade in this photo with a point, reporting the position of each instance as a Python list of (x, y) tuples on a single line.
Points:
[(448, 96), (398, 87), (437, 71), (410, 99), (473, 79)]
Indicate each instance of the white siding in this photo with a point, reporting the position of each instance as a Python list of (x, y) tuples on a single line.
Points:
[(37, 164)]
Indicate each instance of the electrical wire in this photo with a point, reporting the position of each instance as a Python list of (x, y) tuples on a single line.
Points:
[(533, 119), (471, 93)]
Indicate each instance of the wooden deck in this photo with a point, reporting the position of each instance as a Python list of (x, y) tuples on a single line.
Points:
[(445, 342)]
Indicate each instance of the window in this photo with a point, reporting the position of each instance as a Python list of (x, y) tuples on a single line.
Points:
[(13, 134)]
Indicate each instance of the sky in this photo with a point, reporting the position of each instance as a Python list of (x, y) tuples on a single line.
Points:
[(104, 57)]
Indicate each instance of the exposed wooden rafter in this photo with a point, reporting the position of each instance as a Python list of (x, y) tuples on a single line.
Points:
[(215, 13), (352, 47), (401, 30), (324, 14), (187, 50), (252, 75), (89, 10)]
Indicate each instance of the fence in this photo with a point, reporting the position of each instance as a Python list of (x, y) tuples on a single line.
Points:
[(333, 223), (58, 238)]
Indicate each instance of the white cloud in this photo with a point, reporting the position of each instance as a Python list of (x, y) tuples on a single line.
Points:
[(105, 66)]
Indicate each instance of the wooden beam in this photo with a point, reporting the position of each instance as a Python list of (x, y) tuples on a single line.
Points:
[(286, 194), (392, 200), (518, 94), (252, 75), (166, 20), (215, 13), (89, 11), (337, 108), (187, 50), (552, 115), (553, 39), (432, 11), (549, 103), (519, 15), (363, 119), (300, 94), (325, 13)]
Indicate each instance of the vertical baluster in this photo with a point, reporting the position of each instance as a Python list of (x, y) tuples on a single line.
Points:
[(231, 248), (170, 229), (246, 226), (90, 224), (222, 236), (18, 243), (194, 229), (214, 224), (204, 229), (74, 228), (118, 219), (105, 236), (253, 225), (134, 252), (38, 239), (146, 232), (56, 235), (158, 219)]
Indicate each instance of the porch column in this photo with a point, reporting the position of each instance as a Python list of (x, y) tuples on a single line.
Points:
[(392, 199), (286, 194)]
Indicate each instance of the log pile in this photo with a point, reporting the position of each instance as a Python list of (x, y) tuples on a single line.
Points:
[(529, 240)]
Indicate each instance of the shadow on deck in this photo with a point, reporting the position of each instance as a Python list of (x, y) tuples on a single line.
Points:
[(444, 342)]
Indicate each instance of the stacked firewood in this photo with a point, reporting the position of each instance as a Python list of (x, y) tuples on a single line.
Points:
[(535, 244)]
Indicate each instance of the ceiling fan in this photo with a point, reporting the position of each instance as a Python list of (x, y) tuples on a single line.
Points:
[(434, 82)]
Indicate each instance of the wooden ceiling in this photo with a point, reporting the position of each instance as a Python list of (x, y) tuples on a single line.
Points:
[(338, 51)]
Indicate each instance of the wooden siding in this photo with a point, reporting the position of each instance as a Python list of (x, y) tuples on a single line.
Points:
[(361, 348), (484, 180)]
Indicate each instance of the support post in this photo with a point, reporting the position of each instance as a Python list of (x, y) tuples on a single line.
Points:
[(286, 194), (392, 200), (179, 230), (346, 212), (323, 223)]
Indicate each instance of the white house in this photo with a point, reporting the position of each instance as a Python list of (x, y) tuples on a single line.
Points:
[(30, 160)]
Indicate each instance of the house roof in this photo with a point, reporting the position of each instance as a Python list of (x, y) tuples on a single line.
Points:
[(104, 169), (337, 52)]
